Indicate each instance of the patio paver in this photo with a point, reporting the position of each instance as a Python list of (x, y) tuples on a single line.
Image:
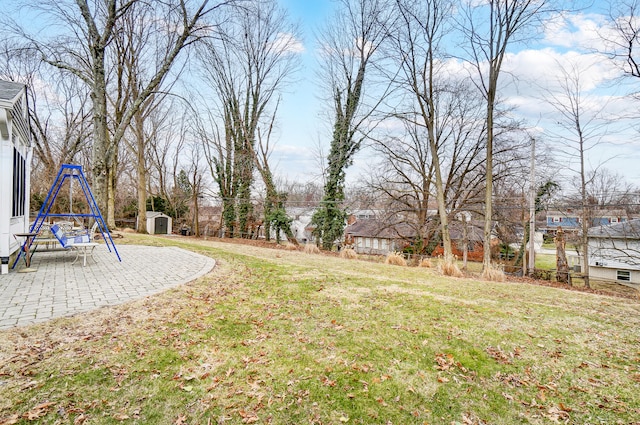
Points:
[(59, 288)]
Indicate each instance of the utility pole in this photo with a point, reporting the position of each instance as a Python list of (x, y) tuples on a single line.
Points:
[(532, 209)]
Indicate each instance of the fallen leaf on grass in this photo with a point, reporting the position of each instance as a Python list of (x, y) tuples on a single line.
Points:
[(120, 416), (498, 355), (555, 414), (39, 411), (248, 417), (11, 420), (327, 382), (444, 361)]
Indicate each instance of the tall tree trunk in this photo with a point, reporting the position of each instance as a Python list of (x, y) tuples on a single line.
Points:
[(111, 189), (586, 216), (488, 198)]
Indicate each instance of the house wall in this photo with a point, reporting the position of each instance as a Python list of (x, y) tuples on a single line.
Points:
[(565, 222), (611, 274), (375, 246), (10, 225), (608, 256)]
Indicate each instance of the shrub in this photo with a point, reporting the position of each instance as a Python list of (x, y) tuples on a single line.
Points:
[(349, 254), (310, 248), (396, 259)]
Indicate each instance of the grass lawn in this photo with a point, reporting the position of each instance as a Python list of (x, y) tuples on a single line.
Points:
[(282, 337)]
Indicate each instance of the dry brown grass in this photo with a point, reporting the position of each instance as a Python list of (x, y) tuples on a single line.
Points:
[(493, 274), (425, 262), (450, 268), (310, 248), (290, 247), (349, 254), (396, 259)]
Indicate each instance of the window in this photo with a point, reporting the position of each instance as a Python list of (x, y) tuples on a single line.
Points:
[(624, 275), (19, 183)]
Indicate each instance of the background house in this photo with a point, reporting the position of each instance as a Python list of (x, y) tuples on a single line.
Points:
[(373, 236), (571, 219), (471, 233), (301, 224), (614, 252), (15, 168)]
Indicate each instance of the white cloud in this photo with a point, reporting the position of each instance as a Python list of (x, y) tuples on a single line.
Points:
[(583, 31), (288, 43)]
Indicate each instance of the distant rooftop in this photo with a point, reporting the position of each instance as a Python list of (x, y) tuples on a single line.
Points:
[(626, 230)]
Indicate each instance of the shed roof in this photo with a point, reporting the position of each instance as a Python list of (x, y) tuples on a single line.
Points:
[(153, 214), (626, 230)]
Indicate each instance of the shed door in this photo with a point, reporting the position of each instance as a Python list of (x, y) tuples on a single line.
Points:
[(161, 225)]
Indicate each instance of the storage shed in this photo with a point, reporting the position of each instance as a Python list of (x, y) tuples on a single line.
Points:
[(15, 168), (158, 223)]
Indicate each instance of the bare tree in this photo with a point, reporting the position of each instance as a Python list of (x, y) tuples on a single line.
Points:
[(490, 28), (623, 43), (583, 125), (417, 39), (80, 48), (349, 46), (247, 68), (134, 48), (59, 111)]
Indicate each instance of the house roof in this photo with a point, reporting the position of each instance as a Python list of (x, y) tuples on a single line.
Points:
[(10, 90), (627, 230), (596, 213), (475, 231), (380, 229)]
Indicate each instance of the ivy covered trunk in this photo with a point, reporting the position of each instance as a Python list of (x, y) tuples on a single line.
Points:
[(330, 218), (562, 265)]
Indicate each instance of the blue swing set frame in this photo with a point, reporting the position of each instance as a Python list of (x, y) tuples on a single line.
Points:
[(74, 173)]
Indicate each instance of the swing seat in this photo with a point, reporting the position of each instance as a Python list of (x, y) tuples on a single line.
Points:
[(77, 243), (69, 241)]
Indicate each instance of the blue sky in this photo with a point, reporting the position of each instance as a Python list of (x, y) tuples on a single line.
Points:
[(535, 67), (300, 122), (303, 125)]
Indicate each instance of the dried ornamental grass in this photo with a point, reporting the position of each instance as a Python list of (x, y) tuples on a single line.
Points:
[(396, 259), (310, 248), (349, 254), (426, 263), (449, 268), (290, 247), (493, 274)]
